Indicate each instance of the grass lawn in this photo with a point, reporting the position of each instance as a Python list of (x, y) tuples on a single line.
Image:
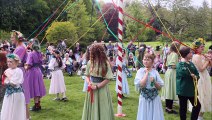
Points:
[(72, 110), (158, 43)]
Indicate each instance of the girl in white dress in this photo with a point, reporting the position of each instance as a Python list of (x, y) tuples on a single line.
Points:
[(13, 107), (57, 84)]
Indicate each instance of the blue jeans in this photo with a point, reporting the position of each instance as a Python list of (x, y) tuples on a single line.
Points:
[(69, 69)]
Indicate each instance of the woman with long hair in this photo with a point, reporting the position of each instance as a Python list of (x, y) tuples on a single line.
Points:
[(57, 84), (84, 64), (98, 101), (204, 84)]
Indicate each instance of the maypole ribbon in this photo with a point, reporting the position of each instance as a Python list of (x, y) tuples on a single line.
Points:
[(63, 11), (151, 21), (108, 24), (3, 79), (39, 26), (50, 18), (194, 78), (149, 26), (90, 27), (56, 18), (43, 23), (90, 90), (113, 33)]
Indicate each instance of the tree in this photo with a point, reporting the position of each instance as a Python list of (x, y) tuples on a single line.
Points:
[(113, 26), (133, 28), (79, 17), (22, 15), (88, 5), (62, 30), (184, 21)]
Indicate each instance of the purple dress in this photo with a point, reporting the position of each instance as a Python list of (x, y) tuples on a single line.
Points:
[(34, 75), (21, 52)]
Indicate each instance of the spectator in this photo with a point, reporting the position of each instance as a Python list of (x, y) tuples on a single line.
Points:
[(131, 47), (69, 64), (110, 48)]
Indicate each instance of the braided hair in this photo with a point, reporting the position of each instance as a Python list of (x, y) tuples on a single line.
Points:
[(98, 57)]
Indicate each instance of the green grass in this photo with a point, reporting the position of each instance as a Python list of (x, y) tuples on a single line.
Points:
[(72, 110), (158, 43)]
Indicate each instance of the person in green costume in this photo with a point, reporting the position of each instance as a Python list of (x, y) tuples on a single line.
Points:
[(169, 90), (98, 101), (186, 74)]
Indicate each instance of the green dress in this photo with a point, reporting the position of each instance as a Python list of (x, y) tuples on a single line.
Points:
[(169, 90), (101, 108)]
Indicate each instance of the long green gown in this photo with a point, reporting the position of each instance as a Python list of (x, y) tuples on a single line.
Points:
[(101, 108), (169, 90)]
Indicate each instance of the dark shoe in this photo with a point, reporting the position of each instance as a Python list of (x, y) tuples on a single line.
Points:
[(64, 99), (123, 96), (34, 108), (70, 74)]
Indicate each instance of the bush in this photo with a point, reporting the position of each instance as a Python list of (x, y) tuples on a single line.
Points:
[(60, 31)]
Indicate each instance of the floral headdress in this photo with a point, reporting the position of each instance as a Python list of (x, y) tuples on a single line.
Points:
[(197, 43), (18, 34), (14, 57)]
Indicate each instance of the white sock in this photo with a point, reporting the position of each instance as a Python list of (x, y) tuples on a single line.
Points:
[(64, 95)]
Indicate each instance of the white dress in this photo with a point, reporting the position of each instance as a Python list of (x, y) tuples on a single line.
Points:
[(57, 84), (204, 85), (85, 86), (149, 109), (14, 107)]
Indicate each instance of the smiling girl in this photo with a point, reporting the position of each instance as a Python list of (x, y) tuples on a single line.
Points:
[(150, 82), (13, 107)]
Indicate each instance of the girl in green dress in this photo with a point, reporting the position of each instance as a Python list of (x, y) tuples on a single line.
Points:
[(98, 102), (169, 91)]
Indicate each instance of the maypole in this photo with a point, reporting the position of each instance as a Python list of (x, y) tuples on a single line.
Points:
[(120, 34)]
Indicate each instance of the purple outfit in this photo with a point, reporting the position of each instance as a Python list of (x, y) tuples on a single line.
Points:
[(34, 75), (21, 52)]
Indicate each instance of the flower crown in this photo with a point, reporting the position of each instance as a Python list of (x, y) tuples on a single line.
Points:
[(197, 43), (19, 35), (14, 57)]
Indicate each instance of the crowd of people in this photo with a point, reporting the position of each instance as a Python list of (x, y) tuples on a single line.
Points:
[(23, 67)]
